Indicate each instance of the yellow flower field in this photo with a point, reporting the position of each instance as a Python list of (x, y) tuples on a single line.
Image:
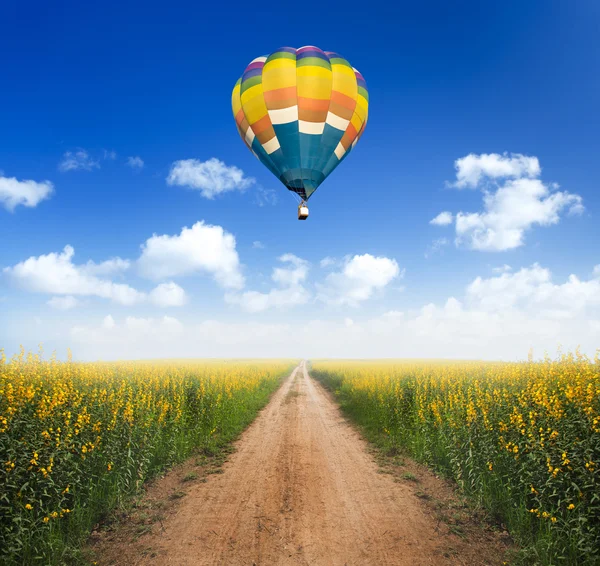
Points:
[(76, 438), (522, 438)]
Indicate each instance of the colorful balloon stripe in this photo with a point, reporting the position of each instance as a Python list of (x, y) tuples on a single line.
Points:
[(300, 111)]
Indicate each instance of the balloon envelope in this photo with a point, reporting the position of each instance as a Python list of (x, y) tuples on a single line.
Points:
[(300, 111)]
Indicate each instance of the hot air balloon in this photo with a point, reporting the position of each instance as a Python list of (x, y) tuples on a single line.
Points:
[(300, 111)]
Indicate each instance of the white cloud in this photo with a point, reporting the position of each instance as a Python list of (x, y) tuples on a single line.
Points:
[(442, 219), (289, 293), (512, 210), (56, 274), (532, 290), (327, 262), (498, 317), (360, 277), (514, 201), (471, 169), (254, 301), (110, 154), (502, 269), (26, 193), (290, 276), (135, 162), (168, 295), (210, 177), (108, 267), (63, 303), (596, 271), (257, 245), (80, 159), (201, 248)]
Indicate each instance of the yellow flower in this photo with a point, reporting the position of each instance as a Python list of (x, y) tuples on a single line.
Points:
[(28, 507), (571, 506), (46, 519)]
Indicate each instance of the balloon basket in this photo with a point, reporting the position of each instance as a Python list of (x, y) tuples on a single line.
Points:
[(302, 212)]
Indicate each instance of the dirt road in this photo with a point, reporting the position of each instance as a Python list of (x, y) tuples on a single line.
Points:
[(301, 489)]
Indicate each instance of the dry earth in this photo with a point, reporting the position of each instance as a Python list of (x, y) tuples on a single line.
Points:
[(302, 488)]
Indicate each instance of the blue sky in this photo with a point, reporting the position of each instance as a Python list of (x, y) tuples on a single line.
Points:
[(86, 87)]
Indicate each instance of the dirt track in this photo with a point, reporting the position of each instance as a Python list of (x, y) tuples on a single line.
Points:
[(300, 489)]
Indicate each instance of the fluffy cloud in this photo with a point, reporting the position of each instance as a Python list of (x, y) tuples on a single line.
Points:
[(327, 262), (258, 245), (471, 169), (477, 322), (210, 177), (135, 162), (168, 295), (110, 154), (78, 160), (108, 267), (254, 301), (531, 290), (514, 201), (56, 274), (511, 211), (25, 193), (202, 248), (360, 277), (502, 269), (442, 219), (289, 292), (498, 318), (63, 303), (293, 275)]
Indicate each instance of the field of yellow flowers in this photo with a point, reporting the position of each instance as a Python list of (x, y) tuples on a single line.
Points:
[(77, 438), (523, 439)]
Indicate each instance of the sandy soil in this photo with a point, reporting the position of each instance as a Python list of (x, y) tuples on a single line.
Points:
[(302, 488)]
